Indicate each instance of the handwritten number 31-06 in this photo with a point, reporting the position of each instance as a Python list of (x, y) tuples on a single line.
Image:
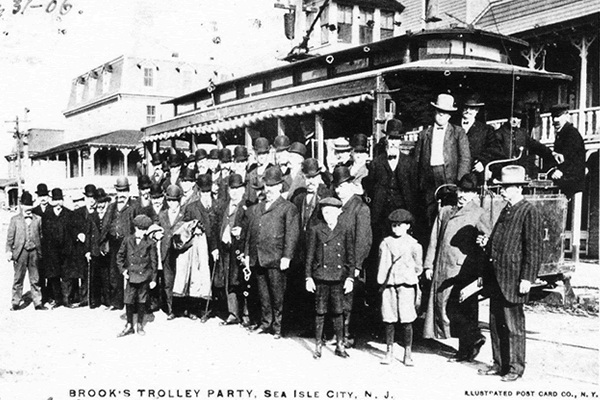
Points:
[(64, 9)]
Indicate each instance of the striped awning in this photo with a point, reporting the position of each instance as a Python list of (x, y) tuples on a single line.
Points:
[(241, 121)]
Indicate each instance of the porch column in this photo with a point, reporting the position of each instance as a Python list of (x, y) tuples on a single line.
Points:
[(123, 169), (93, 151), (247, 138), (320, 137), (68, 175), (80, 162), (280, 127)]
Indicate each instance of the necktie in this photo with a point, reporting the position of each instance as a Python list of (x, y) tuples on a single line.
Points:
[(392, 157)]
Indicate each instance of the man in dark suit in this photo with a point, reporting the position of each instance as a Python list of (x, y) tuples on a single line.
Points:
[(481, 135), (170, 219), (270, 245), (514, 248), (231, 229), (88, 217), (43, 198), (569, 148), (24, 249), (442, 154), (99, 253), (355, 215)]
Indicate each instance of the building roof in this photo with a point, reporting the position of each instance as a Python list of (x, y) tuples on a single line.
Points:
[(512, 16), (120, 139), (381, 4), (43, 139)]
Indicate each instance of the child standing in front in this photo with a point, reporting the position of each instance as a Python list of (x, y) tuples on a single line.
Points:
[(329, 271), (400, 264), (137, 261)]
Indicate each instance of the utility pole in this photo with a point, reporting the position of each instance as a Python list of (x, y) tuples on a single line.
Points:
[(19, 136)]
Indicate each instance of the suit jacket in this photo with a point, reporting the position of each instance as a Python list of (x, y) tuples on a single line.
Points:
[(306, 221), (169, 229), (457, 156), (37, 210), (389, 190), (481, 137), (272, 234), (515, 248), (138, 259), (228, 254), (357, 217), (91, 229), (330, 255), (59, 236), (16, 235), (570, 144), (120, 223), (208, 217)]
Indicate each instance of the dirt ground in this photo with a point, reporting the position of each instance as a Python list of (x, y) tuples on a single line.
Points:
[(75, 354)]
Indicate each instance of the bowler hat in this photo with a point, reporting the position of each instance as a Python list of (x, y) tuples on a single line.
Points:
[(89, 190), (559, 109), (26, 199), (331, 202), (310, 167), (157, 159), (360, 143), (173, 192), (204, 182), (444, 102), (341, 144), (213, 154), (261, 145), (298, 148), (200, 154), (394, 129), (101, 196), (190, 159), (519, 112), (175, 160), (57, 194), (235, 181), (188, 174), (468, 183), (156, 190), (225, 155), (513, 175), (42, 190), (144, 182), (341, 174), (281, 143), (473, 100), (142, 222), (401, 215), (240, 153), (257, 183), (122, 184), (273, 176)]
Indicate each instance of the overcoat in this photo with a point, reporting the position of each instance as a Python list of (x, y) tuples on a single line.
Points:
[(228, 263), (309, 214), (515, 249), (330, 255), (272, 234), (357, 217), (481, 137), (58, 240), (167, 253), (454, 256), (138, 259), (570, 144)]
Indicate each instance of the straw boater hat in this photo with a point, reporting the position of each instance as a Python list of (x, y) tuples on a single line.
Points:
[(341, 144), (444, 102)]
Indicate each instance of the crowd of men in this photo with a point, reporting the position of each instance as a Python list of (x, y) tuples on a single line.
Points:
[(254, 222)]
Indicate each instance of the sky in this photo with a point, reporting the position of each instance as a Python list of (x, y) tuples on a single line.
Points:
[(42, 52)]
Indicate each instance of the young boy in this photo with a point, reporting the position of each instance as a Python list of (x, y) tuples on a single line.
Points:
[(137, 261), (400, 264), (330, 270)]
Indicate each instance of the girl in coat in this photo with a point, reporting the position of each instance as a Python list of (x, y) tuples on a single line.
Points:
[(400, 264)]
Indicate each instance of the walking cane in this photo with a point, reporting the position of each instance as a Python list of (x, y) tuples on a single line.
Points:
[(212, 279)]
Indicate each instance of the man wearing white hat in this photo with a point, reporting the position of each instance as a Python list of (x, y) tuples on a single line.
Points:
[(442, 153)]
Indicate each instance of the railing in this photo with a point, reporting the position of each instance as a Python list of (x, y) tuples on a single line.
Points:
[(587, 122)]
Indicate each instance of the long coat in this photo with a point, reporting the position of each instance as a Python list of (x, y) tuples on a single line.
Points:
[(59, 237), (481, 137), (272, 234), (515, 249), (228, 263), (167, 253), (457, 155), (570, 144), (16, 235), (454, 256), (357, 217), (192, 275), (330, 253), (139, 260)]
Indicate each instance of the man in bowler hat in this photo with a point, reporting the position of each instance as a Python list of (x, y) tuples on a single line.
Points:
[(514, 249), (270, 245), (24, 249)]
